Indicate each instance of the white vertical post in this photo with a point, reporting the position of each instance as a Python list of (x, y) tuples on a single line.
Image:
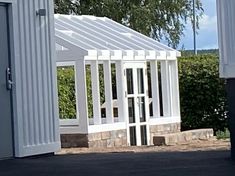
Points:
[(120, 91), (81, 95), (155, 88), (95, 92), (108, 92), (174, 88), (165, 89)]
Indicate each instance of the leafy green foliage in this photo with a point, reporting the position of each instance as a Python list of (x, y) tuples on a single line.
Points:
[(202, 93), (223, 134), (187, 53), (161, 20), (66, 92)]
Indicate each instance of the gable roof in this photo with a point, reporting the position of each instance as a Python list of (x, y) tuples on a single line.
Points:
[(102, 38)]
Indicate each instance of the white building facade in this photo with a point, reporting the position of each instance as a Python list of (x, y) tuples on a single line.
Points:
[(146, 74), (28, 97), (226, 27)]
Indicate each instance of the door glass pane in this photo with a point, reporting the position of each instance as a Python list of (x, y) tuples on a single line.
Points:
[(131, 110), (141, 104), (143, 135), (133, 136), (140, 79), (129, 79)]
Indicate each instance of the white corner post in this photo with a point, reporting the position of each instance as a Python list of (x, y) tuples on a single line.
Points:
[(95, 92), (155, 88), (108, 92), (120, 91), (81, 95), (174, 88), (165, 89)]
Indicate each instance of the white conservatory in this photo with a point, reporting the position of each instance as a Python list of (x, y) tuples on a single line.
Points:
[(140, 83)]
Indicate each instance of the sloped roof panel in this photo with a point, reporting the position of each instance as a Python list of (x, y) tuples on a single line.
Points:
[(100, 33)]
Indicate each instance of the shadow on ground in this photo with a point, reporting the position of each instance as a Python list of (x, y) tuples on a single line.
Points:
[(206, 163)]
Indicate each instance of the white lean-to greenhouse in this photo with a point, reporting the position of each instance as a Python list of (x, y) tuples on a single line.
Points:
[(133, 91)]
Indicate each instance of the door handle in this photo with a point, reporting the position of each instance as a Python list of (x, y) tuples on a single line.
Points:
[(9, 81)]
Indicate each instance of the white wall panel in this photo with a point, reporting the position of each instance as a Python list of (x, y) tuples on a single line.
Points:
[(226, 26), (36, 123)]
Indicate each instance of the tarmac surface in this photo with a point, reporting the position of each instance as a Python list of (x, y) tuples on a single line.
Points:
[(194, 163)]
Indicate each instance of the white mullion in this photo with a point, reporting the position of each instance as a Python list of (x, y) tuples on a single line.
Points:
[(165, 89), (95, 92), (136, 95), (147, 114), (122, 103), (81, 95), (155, 88), (175, 88), (108, 92)]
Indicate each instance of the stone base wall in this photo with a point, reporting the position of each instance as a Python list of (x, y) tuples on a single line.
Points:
[(95, 140), (163, 129), (74, 140)]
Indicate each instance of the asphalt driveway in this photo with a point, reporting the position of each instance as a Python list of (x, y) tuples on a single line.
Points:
[(206, 163)]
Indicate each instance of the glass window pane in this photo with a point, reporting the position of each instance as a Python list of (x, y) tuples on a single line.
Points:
[(143, 135), (141, 104), (140, 79), (133, 136), (129, 79), (131, 110)]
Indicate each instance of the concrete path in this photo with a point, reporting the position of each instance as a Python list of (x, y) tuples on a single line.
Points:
[(208, 163)]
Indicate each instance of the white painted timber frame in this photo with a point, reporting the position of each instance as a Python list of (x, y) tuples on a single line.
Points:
[(89, 40)]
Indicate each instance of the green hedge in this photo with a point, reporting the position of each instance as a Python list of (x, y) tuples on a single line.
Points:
[(202, 93), (66, 92)]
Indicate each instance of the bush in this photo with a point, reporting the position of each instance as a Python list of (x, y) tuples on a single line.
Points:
[(202, 93), (66, 92)]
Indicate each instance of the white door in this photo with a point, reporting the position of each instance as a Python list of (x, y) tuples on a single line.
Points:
[(6, 144), (137, 103)]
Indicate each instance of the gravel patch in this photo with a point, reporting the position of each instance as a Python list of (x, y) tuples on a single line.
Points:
[(198, 145)]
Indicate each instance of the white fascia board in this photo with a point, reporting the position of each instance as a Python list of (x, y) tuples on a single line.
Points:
[(140, 55), (64, 64), (178, 54), (70, 55), (162, 55), (171, 55), (129, 55), (152, 55), (116, 54), (105, 55), (93, 53)]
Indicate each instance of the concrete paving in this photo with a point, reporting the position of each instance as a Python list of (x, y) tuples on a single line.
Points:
[(206, 163)]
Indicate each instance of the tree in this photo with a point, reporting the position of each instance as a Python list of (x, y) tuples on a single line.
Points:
[(161, 20)]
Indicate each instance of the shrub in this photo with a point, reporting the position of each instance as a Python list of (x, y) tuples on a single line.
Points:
[(66, 92), (202, 93)]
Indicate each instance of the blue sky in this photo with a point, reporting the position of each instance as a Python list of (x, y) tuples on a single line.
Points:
[(207, 34)]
